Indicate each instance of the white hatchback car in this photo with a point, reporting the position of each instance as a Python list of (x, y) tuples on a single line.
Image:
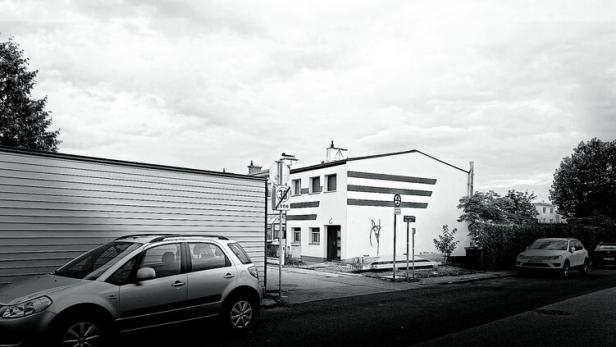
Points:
[(556, 254)]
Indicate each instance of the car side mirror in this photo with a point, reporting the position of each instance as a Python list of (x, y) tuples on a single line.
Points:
[(145, 273)]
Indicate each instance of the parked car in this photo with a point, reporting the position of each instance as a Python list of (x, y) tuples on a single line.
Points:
[(555, 254), (604, 254), (131, 283)]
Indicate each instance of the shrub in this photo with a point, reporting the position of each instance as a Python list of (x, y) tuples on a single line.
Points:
[(445, 243)]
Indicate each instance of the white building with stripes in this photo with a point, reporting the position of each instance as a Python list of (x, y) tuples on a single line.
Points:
[(343, 209)]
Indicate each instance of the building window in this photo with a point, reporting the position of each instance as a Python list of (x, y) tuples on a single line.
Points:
[(315, 236), (269, 190), (315, 184), (544, 210), (551, 209), (297, 187), (331, 182), (297, 235)]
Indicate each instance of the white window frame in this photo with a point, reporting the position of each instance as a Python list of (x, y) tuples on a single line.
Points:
[(299, 186), (327, 188), (313, 232), (312, 184)]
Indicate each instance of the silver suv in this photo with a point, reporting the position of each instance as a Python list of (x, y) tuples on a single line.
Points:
[(131, 283)]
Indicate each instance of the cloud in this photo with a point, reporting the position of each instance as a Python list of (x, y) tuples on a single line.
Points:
[(213, 84)]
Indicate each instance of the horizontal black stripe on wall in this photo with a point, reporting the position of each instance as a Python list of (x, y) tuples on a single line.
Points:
[(306, 204), (385, 190), (398, 178), (381, 203), (302, 217)]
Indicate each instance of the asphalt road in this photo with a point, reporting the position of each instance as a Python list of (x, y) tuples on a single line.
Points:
[(387, 319)]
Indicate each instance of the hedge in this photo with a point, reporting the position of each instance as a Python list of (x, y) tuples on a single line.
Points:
[(501, 244)]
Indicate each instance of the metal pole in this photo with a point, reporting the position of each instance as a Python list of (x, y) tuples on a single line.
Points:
[(407, 250), (413, 253), (280, 257), (394, 276), (280, 246)]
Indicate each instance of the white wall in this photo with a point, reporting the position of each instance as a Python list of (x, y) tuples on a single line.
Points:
[(331, 210), (451, 185)]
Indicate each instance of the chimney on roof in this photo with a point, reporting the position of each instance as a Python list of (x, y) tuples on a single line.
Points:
[(252, 168), (333, 153)]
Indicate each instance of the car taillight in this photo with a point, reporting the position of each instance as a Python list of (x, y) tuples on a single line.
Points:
[(253, 271)]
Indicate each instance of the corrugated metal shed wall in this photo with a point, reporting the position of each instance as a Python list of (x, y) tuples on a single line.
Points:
[(55, 207)]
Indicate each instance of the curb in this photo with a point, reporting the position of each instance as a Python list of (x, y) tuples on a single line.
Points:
[(468, 280)]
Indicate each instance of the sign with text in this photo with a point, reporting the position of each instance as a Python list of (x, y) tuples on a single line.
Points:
[(397, 210), (409, 219), (280, 198)]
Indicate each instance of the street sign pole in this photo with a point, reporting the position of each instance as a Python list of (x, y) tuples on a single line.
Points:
[(397, 203), (280, 245), (394, 277), (413, 253), (407, 250)]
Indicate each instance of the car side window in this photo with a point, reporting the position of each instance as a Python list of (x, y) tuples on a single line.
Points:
[(164, 259), (206, 256), (579, 246), (123, 274)]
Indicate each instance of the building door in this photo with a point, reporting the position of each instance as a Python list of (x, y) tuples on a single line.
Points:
[(333, 242)]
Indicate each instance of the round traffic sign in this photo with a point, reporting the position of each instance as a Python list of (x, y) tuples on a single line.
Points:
[(397, 200)]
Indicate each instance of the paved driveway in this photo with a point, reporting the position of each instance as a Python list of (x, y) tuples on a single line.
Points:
[(303, 285)]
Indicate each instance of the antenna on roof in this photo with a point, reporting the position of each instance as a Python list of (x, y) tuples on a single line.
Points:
[(333, 153)]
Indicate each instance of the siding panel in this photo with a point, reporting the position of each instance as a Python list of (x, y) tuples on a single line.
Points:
[(55, 207)]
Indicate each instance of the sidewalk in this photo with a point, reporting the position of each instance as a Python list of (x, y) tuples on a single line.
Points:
[(587, 320), (303, 285)]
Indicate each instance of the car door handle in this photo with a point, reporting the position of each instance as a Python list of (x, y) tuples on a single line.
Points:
[(228, 275), (178, 284)]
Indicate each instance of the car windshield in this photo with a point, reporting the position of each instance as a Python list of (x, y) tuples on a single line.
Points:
[(549, 244), (93, 263)]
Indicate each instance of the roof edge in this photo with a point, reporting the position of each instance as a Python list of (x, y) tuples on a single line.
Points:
[(99, 160)]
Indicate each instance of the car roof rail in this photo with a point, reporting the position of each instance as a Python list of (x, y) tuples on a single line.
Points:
[(138, 235), (163, 237)]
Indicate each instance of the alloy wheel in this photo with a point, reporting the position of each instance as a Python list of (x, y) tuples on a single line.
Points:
[(82, 334), (241, 314)]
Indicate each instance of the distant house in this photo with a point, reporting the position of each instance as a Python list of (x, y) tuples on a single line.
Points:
[(548, 213), (343, 208)]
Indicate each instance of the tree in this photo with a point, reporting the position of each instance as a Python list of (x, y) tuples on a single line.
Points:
[(584, 185), (24, 122), (445, 243), (515, 208)]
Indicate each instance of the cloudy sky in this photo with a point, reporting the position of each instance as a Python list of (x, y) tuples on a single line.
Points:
[(512, 85)]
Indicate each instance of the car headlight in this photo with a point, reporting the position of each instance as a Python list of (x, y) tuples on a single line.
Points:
[(521, 256), (27, 308)]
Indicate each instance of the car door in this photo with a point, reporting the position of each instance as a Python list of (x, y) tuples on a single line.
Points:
[(580, 253), (210, 275), (158, 300)]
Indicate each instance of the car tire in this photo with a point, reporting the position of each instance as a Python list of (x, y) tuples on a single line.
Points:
[(585, 268), (566, 270), (81, 331), (239, 313)]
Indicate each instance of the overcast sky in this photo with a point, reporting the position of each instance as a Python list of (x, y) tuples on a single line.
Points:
[(511, 85)]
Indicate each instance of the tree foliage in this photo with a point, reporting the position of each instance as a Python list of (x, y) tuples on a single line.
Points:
[(584, 185), (515, 208), (24, 122), (446, 243)]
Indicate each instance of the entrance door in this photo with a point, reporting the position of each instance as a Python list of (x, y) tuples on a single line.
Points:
[(333, 242)]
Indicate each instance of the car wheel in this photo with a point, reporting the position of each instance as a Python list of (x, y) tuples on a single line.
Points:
[(81, 332), (566, 270), (584, 269), (239, 314)]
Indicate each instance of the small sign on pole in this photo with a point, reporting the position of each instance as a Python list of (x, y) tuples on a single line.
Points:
[(397, 200), (397, 210), (280, 198)]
